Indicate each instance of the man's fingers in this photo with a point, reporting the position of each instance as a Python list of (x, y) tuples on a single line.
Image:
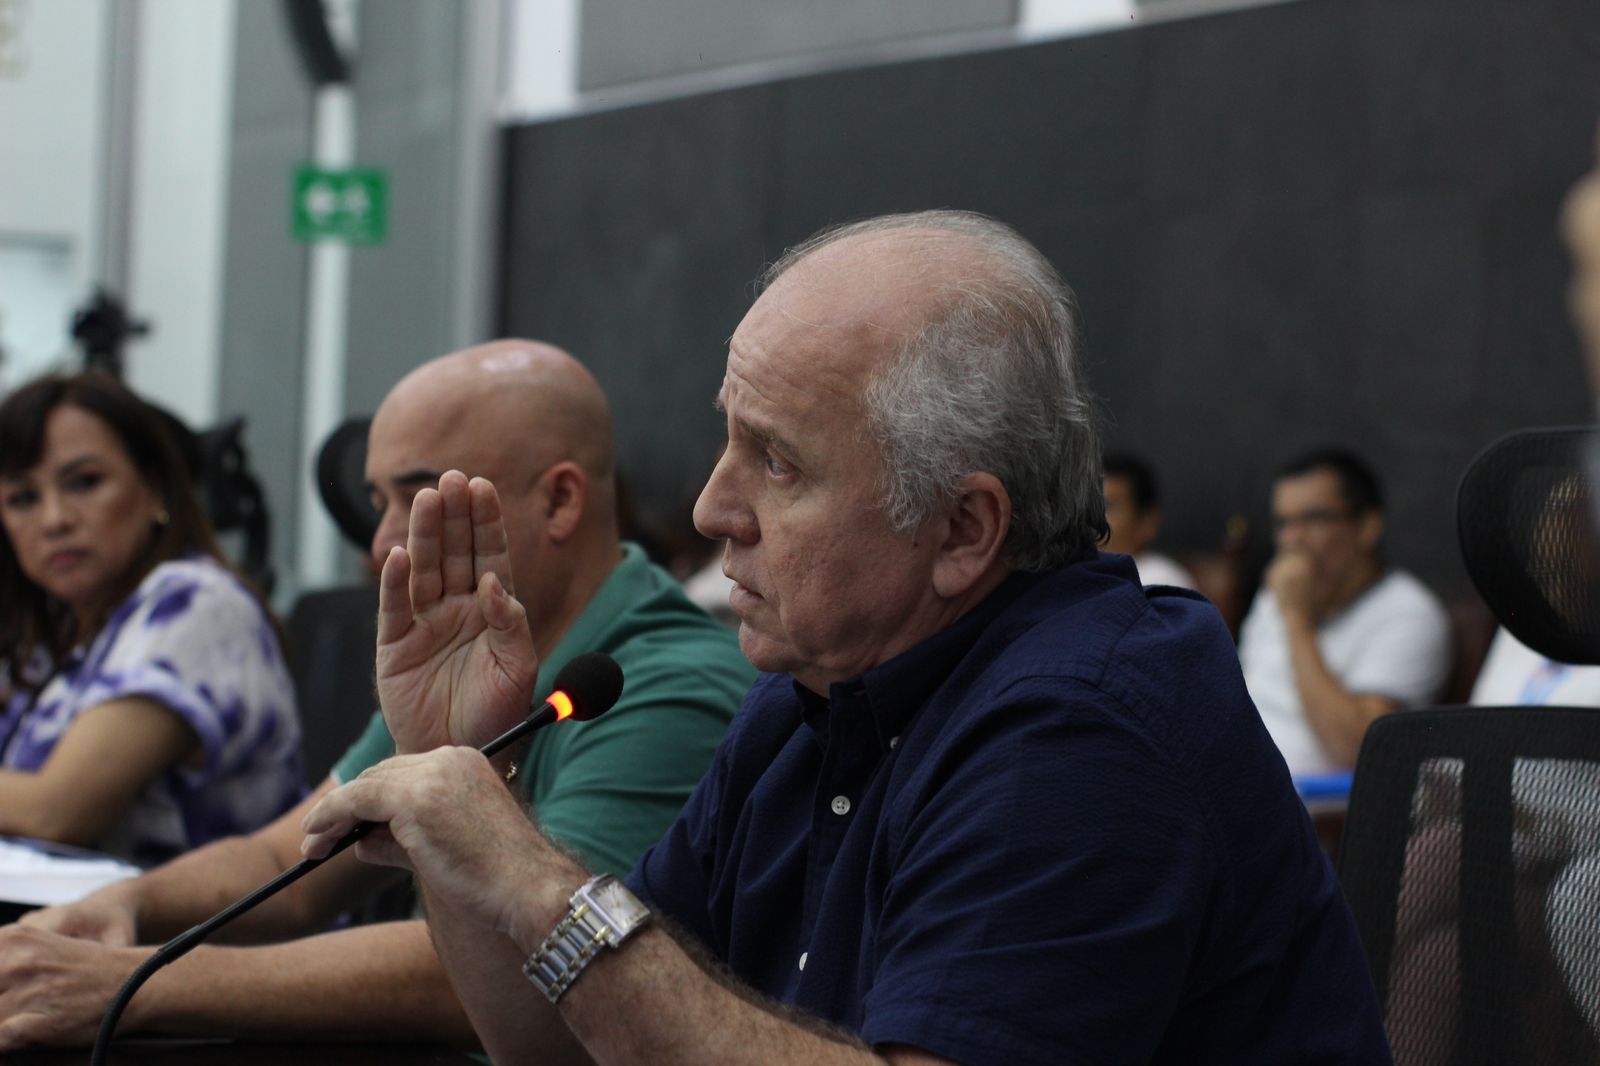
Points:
[(490, 549), (456, 534), (377, 795), (394, 596), (424, 545)]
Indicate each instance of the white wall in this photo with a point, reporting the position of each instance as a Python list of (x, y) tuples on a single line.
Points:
[(68, 200), (543, 49), (52, 87), (184, 75)]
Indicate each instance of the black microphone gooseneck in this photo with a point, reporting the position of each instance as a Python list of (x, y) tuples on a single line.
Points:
[(585, 688)]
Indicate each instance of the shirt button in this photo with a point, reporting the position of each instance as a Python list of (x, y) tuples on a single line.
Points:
[(841, 805), (894, 742), (803, 960)]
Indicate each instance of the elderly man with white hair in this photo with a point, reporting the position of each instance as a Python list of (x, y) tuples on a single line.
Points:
[(991, 801)]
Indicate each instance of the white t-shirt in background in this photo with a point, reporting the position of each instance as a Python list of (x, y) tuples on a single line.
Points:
[(1158, 569), (1393, 640)]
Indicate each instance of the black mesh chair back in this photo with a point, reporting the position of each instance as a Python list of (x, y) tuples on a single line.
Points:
[(1471, 861), (1525, 515), (1471, 851), (329, 639), (341, 481)]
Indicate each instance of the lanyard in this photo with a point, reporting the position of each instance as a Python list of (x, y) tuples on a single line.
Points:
[(1542, 685)]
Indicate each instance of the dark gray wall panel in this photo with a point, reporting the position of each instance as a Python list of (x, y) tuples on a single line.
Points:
[(631, 239), (1331, 220), (407, 90)]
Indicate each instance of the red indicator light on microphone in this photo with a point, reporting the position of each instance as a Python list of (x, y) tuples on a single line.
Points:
[(562, 703)]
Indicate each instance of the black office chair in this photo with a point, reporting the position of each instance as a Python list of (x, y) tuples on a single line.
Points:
[(341, 481), (1471, 854), (329, 638)]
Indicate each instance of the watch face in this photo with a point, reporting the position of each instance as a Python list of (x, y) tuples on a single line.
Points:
[(619, 907)]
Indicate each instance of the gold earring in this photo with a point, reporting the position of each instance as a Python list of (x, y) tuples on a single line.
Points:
[(162, 517)]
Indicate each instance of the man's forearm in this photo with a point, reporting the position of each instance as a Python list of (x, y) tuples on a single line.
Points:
[(513, 1021), (1337, 717), (648, 1002), (378, 982), (651, 1002), (193, 887)]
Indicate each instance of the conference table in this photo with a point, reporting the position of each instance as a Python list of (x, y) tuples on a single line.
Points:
[(35, 872)]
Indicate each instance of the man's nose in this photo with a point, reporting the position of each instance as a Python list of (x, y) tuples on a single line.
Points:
[(720, 513), (391, 531)]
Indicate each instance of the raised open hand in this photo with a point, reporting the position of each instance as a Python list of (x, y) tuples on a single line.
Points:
[(456, 663)]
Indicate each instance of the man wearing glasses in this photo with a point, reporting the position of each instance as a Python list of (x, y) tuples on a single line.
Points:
[(1335, 637)]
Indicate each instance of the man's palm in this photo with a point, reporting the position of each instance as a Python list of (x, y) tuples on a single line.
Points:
[(455, 662)]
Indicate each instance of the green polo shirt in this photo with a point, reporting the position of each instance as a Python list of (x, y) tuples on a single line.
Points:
[(608, 788)]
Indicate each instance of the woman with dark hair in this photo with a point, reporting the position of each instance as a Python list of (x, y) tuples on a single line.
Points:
[(145, 707)]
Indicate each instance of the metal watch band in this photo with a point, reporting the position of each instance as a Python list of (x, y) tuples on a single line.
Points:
[(575, 940), (565, 952)]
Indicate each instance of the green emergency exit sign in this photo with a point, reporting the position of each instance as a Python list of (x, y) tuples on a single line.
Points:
[(349, 205)]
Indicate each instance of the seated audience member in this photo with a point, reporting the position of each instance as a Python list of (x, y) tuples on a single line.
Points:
[(1514, 675), (1563, 559), (1580, 223), (149, 708), (529, 416), (1335, 638), (994, 801), (1133, 512)]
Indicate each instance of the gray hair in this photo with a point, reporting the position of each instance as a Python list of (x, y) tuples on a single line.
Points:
[(992, 382)]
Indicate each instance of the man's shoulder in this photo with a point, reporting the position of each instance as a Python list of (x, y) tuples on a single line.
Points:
[(1089, 619), (1097, 640), (1399, 594)]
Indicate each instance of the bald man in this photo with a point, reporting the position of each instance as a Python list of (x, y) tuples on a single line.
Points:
[(533, 420)]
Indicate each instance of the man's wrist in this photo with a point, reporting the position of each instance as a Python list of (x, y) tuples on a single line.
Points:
[(542, 902)]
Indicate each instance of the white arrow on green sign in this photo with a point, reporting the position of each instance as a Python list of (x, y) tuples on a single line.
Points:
[(346, 204)]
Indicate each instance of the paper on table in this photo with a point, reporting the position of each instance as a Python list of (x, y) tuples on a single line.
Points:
[(29, 875)]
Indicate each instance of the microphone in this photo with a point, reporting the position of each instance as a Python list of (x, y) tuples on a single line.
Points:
[(587, 687)]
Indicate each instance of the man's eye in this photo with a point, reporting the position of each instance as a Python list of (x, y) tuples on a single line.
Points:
[(775, 466), (17, 499)]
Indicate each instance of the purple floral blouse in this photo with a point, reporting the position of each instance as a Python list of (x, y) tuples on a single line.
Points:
[(194, 640)]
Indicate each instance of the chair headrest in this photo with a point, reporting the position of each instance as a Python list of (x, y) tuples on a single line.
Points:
[(341, 481), (1526, 513)]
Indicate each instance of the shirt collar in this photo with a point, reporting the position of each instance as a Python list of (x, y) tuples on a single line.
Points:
[(892, 691)]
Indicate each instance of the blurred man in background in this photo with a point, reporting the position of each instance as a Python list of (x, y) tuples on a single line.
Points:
[(1335, 638), (1133, 511)]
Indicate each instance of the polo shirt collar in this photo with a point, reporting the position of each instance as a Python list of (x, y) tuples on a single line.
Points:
[(891, 692), (627, 584)]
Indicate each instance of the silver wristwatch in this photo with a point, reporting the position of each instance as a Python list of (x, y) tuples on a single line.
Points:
[(603, 913)]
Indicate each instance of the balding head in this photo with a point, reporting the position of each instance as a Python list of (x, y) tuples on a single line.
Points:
[(533, 399), (532, 420), (950, 343), (979, 369)]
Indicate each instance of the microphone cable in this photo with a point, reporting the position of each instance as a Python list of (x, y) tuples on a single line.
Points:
[(587, 687)]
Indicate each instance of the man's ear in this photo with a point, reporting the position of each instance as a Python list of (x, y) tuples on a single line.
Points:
[(1371, 530), (974, 531), (564, 497)]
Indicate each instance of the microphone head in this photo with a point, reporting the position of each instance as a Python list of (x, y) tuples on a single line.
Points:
[(593, 682)]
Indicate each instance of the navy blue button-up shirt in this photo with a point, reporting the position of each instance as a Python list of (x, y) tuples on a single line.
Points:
[(1054, 832)]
